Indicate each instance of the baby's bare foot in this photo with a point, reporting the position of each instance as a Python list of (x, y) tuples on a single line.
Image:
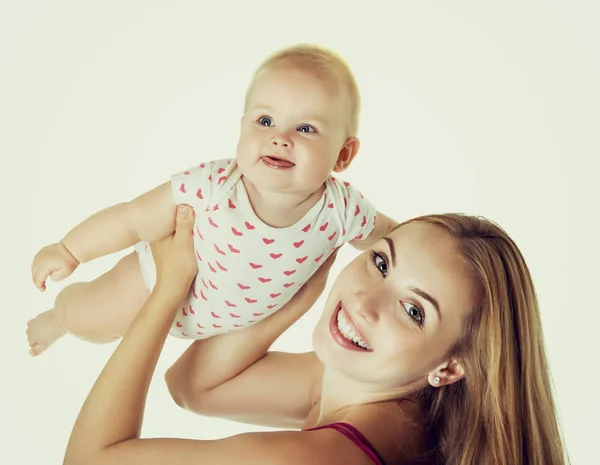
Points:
[(42, 332)]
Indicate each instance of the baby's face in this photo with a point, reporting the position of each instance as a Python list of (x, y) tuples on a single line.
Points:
[(292, 132)]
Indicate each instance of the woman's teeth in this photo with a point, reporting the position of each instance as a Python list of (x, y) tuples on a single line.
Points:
[(349, 333)]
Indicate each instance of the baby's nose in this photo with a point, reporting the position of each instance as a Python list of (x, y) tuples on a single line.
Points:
[(280, 140)]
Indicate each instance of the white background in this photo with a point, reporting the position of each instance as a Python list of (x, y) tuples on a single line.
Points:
[(468, 106)]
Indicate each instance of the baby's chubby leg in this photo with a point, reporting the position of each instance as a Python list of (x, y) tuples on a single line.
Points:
[(98, 311)]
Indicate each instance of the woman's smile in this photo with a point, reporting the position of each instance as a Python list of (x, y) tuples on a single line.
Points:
[(345, 332)]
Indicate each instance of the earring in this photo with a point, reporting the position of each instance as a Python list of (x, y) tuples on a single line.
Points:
[(436, 380)]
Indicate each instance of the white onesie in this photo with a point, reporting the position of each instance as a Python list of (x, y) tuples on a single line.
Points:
[(246, 269)]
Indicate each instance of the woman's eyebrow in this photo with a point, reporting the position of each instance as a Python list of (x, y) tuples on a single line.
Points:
[(392, 250), (429, 298), (416, 290)]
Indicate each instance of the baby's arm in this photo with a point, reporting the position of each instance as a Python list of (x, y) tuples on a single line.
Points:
[(147, 217), (383, 226), (362, 224)]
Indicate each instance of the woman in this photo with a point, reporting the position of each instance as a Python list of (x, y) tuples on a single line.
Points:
[(447, 363)]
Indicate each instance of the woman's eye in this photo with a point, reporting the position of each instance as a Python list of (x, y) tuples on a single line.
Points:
[(380, 263), (306, 128), (265, 121), (414, 312)]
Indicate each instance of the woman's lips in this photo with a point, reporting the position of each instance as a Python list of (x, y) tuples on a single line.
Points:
[(351, 323), (277, 163), (337, 335)]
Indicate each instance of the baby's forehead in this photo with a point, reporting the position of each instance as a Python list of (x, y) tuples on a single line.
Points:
[(323, 75), (297, 90), (283, 78)]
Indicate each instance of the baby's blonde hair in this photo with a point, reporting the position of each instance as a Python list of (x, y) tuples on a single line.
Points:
[(324, 65)]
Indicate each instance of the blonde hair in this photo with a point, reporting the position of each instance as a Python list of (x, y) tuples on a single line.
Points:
[(502, 412), (324, 65)]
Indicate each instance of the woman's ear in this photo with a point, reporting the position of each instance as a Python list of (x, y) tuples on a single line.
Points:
[(347, 154), (447, 373)]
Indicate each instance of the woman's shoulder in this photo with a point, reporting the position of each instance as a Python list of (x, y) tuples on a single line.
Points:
[(397, 430)]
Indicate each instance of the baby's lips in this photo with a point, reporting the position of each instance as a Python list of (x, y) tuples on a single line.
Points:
[(279, 162)]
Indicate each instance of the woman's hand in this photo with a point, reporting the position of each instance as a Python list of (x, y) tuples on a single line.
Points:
[(176, 265), (314, 286)]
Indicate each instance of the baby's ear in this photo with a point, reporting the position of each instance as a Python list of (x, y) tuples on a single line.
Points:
[(347, 153)]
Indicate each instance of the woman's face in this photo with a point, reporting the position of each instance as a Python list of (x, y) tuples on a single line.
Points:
[(404, 302)]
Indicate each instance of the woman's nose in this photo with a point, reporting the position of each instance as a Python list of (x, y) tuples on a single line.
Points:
[(367, 305)]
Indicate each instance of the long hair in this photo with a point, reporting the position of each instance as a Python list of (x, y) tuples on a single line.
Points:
[(502, 412)]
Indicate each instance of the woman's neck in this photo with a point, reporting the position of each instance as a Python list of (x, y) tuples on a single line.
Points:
[(335, 404), (395, 426)]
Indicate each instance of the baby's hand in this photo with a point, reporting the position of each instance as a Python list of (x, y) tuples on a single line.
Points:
[(55, 261)]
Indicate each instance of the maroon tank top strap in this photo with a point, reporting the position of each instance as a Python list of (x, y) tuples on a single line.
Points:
[(356, 437)]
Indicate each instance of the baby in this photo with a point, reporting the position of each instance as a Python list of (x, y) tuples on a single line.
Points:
[(265, 220)]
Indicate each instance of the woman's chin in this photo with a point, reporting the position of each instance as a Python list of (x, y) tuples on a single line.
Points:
[(323, 347), (317, 343), (330, 354)]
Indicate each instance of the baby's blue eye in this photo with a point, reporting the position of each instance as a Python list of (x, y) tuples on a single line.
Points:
[(306, 128), (265, 121)]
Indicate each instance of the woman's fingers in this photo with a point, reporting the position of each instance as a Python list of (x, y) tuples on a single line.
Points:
[(327, 263), (315, 285), (323, 271), (174, 255), (184, 224)]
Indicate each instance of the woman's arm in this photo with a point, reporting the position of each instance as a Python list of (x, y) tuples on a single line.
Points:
[(108, 427), (323, 447), (225, 376), (113, 410)]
